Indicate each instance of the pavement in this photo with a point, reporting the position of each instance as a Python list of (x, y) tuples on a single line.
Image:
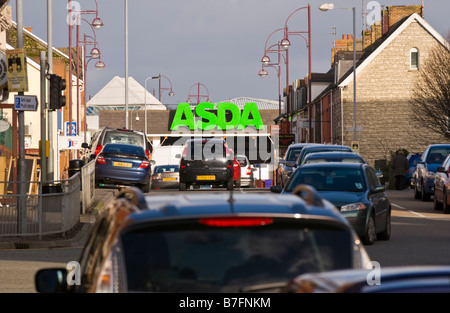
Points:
[(76, 237)]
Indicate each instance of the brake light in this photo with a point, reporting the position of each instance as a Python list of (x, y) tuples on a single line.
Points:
[(144, 164), (236, 221), (147, 152), (98, 149), (249, 170), (236, 164), (101, 160)]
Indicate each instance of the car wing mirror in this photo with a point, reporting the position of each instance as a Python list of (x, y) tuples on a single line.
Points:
[(291, 164), (178, 156), (379, 173), (85, 145), (276, 189), (152, 162), (51, 280), (418, 161)]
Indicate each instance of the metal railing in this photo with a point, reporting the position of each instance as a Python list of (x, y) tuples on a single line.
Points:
[(49, 207)]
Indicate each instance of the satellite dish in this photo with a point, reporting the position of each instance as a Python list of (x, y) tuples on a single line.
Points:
[(4, 126)]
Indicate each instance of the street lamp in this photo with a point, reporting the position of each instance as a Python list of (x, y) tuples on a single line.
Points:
[(145, 101), (198, 96), (171, 93), (330, 6), (285, 44)]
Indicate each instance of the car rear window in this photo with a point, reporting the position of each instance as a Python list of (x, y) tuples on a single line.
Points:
[(123, 149), (202, 258), (293, 154), (438, 155), (329, 179), (206, 149), (166, 169), (125, 137)]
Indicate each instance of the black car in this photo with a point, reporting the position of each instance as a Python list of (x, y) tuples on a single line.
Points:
[(206, 162), (355, 190), (116, 135), (215, 242)]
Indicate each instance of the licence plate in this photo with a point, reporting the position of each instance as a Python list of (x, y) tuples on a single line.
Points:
[(169, 179), (206, 177), (122, 164)]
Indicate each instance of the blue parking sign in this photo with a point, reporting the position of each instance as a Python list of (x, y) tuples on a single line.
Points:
[(74, 128)]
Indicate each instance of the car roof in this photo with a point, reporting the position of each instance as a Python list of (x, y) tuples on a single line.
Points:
[(326, 147), (303, 144), (334, 164), (322, 154), (187, 205)]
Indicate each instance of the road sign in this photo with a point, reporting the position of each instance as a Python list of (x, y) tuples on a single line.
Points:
[(25, 103), (74, 129)]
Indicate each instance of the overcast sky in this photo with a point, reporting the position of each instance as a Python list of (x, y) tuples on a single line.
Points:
[(216, 43)]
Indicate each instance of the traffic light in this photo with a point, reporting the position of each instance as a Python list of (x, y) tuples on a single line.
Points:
[(57, 99)]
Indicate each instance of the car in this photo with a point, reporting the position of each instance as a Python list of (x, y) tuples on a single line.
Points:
[(442, 187), (410, 177), (221, 242), (318, 157), (286, 164), (390, 279), (432, 158), (355, 190), (247, 178), (116, 135), (165, 176), (119, 165), (319, 148), (206, 161)]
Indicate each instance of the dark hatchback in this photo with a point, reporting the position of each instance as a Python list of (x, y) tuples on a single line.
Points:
[(355, 190), (206, 162), (119, 165), (319, 148), (210, 242)]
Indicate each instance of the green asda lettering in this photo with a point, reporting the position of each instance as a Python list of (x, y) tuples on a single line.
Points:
[(208, 120)]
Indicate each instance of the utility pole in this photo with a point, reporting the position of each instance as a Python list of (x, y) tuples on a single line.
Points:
[(50, 161), (21, 168)]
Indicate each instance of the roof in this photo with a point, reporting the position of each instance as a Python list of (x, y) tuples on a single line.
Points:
[(113, 95), (199, 204), (262, 104), (375, 49)]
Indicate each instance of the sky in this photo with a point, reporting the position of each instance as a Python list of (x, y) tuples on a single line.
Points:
[(218, 44)]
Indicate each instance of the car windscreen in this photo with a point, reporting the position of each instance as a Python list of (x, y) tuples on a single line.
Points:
[(437, 155), (200, 258), (329, 178), (125, 137), (293, 154)]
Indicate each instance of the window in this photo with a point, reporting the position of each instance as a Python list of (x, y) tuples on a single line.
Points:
[(414, 58)]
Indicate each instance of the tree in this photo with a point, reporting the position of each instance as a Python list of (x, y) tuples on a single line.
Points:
[(430, 99)]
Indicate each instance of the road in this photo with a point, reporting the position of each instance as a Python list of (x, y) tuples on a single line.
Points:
[(420, 236)]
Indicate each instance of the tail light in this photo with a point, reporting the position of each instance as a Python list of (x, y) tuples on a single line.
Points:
[(144, 164), (236, 164), (147, 152), (236, 221), (101, 160), (157, 176), (98, 149), (249, 170)]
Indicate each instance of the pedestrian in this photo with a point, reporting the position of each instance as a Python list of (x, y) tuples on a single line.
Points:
[(400, 165)]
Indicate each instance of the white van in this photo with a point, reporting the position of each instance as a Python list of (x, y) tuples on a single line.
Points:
[(166, 155)]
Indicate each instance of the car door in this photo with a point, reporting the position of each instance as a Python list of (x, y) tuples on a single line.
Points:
[(378, 198)]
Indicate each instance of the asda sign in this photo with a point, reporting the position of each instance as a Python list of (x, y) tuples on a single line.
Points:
[(226, 116)]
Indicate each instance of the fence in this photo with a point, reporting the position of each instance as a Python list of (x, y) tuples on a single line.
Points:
[(48, 207)]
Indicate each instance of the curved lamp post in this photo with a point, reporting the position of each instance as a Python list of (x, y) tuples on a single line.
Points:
[(285, 44), (330, 6), (198, 96)]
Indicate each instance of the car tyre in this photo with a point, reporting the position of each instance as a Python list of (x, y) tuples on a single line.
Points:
[(417, 194), (230, 185), (386, 234), (370, 235), (424, 195), (182, 187), (436, 204), (445, 206), (146, 188), (238, 184)]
